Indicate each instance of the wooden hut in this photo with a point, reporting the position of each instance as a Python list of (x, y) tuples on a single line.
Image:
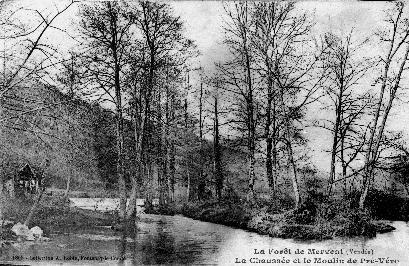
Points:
[(28, 180)]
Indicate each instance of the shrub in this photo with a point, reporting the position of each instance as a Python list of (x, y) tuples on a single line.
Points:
[(338, 219), (217, 212), (384, 205)]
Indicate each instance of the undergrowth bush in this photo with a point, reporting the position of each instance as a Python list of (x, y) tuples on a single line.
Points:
[(336, 218), (218, 212), (389, 206)]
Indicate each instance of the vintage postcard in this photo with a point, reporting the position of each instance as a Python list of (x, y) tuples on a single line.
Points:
[(204, 132)]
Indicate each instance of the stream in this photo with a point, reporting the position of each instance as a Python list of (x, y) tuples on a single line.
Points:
[(179, 240)]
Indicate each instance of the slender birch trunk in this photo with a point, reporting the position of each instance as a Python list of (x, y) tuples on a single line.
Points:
[(376, 136)]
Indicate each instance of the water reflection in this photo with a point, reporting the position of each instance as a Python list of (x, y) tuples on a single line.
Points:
[(158, 241), (122, 248), (178, 240)]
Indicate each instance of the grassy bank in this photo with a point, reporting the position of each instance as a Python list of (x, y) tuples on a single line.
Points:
[(53, 213), (310, 222)]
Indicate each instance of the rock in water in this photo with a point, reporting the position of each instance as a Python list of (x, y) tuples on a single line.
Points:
[(37, 232), (30, 237), (22, 230)]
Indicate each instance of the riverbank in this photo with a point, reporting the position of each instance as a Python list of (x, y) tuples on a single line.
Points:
[(312, 222), (177, 240), (324, 221), (53, 213)]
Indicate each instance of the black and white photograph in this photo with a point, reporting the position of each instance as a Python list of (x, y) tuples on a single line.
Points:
[(204, 132)]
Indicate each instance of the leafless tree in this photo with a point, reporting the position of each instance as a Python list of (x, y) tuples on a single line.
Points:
[(277, 36), (288, 60), (106, 40), (238, 77), (394, 64), (24, 58), (215, 93), (165, 52), (345, 69)]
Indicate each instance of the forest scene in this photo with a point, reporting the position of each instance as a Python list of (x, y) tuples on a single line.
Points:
[(284, 119)]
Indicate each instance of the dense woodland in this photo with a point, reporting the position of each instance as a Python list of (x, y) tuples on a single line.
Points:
[(130, 111)]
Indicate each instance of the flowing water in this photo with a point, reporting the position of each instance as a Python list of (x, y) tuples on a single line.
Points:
[(178, 240)]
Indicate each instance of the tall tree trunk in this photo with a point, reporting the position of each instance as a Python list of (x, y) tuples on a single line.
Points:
[(269, 138), (2, 196), (139, 121), (243, 32), (119, 117), (368, 156), (71, 155), (172, 171), (188, 192), (120, 167), (165, 149), (160, 145), (335, 142), (2, 174), (34, 207), (250, 128), (132, 198), (291, 161), (274, 143), (251, 173), (172, 153), (71, 108), (167, 142), (131, 209), (202, 182), (67, 188), (293, 166), (372, 154), (218, 173), (344, 166), (149, 173)]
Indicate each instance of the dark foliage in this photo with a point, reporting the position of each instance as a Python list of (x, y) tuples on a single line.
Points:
[(388, 206), (218, 212)]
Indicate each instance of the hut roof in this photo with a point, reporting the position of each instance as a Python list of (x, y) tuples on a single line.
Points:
[(26, 172)]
